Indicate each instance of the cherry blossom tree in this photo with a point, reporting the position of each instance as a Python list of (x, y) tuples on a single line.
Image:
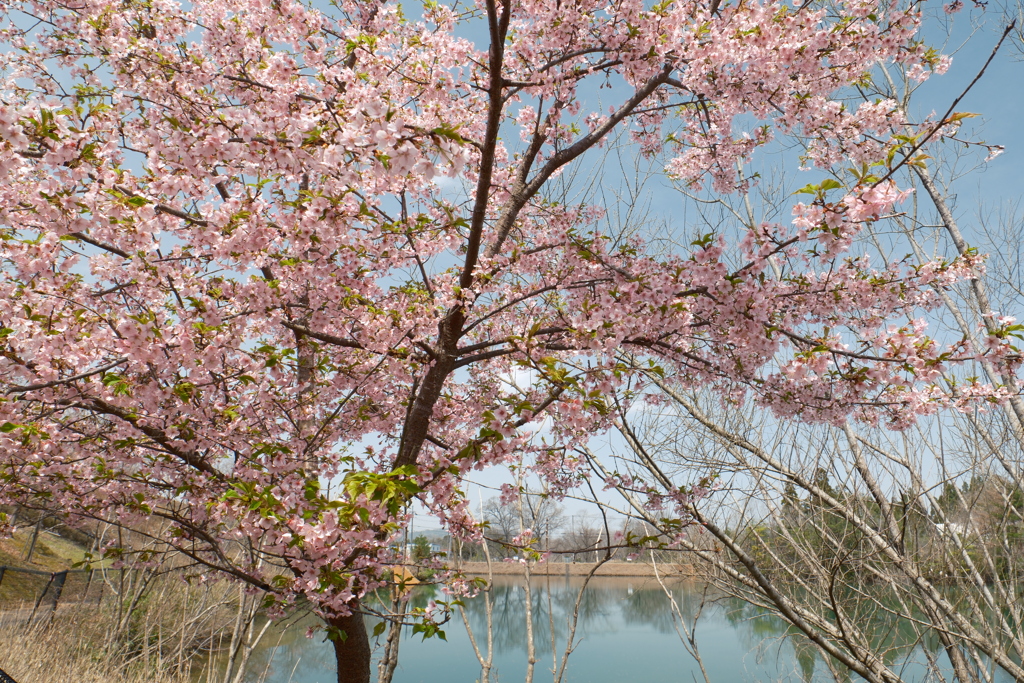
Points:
[(267, 268)]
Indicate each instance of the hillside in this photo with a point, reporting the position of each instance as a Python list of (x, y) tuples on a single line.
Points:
[(52, 553)]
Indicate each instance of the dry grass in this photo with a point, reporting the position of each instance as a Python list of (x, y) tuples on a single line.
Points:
[(148, 628), (73, 650), (139, 625)]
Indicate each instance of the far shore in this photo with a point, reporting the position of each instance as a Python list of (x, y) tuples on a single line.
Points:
[(503, 568)]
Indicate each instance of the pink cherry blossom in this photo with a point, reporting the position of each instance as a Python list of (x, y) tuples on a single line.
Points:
[(266, 270)]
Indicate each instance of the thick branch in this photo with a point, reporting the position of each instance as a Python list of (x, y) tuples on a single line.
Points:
[(101, 245), (157, 435), (322, 336), (66, 380), (522, 191), (498, 28)]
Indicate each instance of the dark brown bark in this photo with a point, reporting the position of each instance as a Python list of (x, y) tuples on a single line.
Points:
[(417, 423), (351, 651)]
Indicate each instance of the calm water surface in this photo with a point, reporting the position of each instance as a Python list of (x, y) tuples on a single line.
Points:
[(627, 632)]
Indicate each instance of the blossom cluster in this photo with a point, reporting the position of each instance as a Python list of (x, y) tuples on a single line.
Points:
[(265, 272)]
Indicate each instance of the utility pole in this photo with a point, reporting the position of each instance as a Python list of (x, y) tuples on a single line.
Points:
[(405, 546), (572, 534)]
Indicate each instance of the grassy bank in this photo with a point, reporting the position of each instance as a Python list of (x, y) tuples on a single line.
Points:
[(51, 553)]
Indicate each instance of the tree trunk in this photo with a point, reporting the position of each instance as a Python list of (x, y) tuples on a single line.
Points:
[(352, 651)]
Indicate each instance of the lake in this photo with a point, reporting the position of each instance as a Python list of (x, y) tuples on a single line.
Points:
[(627, 631)]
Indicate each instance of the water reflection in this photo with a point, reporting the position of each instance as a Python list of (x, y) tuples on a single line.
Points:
[(627, 631)]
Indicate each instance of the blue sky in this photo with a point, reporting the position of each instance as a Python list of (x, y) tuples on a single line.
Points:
[(998, 98)]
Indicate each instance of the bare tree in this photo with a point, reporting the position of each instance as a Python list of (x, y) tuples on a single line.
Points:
[(541, 514), (872, 544)]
